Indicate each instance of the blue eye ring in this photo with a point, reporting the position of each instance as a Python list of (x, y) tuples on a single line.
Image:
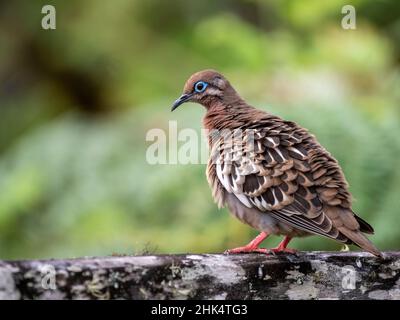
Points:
[(200, 86)]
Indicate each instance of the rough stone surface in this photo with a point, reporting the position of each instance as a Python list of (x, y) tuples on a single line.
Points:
[(313, 275)]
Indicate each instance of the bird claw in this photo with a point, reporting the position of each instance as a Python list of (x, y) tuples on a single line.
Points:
[(272, 251), (246, 250), (284, 250)]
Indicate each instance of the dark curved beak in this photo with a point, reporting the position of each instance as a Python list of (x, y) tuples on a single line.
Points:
[(182, 99)]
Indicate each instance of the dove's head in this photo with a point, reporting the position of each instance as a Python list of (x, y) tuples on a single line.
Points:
[(205, 87)]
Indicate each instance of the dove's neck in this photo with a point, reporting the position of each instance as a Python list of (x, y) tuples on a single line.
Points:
[(230, 113)]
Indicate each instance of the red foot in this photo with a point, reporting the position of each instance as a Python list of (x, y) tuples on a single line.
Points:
[(282, 246), (247, 249), (252, 247)]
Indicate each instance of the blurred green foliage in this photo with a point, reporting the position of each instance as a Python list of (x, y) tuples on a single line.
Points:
[(76, 103)]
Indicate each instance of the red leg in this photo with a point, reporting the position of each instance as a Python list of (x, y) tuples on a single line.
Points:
[(282, 246), (252, 246)]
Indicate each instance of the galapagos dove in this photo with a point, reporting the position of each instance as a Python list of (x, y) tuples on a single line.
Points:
[(270, 173)]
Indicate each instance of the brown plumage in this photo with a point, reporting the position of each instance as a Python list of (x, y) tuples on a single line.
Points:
[(271, 173)]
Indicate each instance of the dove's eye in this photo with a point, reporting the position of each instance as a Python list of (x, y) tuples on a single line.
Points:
[(200, 86)]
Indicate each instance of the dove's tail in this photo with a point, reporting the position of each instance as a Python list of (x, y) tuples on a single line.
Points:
[(361, 240), (353, 227)]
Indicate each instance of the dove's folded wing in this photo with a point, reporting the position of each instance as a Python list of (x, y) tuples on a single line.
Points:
[(281, 170)]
